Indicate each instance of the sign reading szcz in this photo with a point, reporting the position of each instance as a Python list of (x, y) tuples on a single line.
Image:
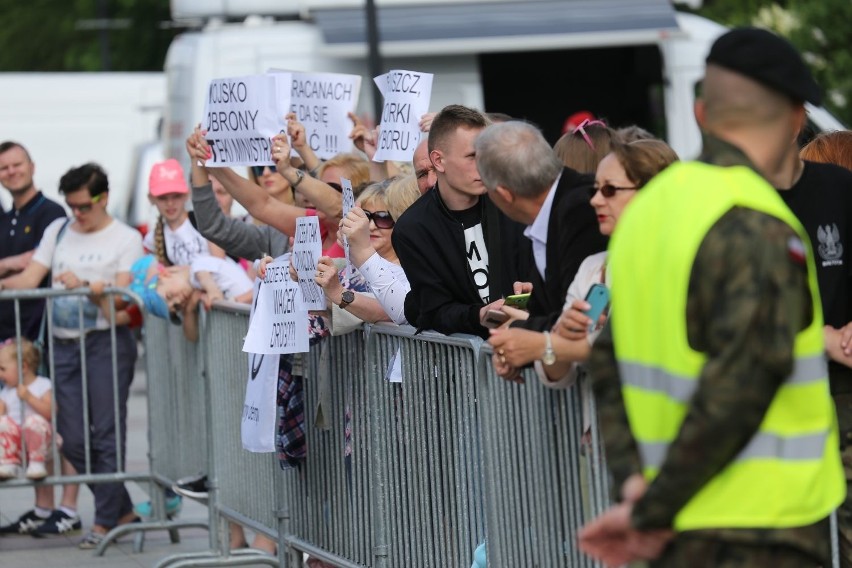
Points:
[(407, 95)]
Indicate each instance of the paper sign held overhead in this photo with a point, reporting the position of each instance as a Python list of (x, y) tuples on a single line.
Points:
[(307, 249), (241, 115), (407, 95), (322, 102)]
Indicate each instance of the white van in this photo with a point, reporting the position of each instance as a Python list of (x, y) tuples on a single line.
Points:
[(628, 61), (67, 119)]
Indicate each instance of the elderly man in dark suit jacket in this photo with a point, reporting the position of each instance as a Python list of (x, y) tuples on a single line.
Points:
[(528, 182)]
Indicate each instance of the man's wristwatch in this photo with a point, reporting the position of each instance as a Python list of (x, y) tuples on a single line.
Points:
[(348, 298), (549, 357)]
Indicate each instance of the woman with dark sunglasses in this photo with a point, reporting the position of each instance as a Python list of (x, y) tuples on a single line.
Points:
[(369, 227), (620, 175)]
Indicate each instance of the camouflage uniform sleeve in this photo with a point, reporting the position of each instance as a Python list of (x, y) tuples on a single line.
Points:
[(622, 454), (748, 297)]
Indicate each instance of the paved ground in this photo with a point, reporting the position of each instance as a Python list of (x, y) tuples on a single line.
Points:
[(25, 551)]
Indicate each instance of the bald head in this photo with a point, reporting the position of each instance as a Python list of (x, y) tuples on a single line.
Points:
[(423, 168), (761, 122), (733, 101)]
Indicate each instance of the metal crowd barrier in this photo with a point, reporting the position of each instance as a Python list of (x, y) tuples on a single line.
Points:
[(242, 484), (177, 424), (87, 476), (410, 473), (543, 482), (414, 473), (456, 454), (329, 497), (429, 461)]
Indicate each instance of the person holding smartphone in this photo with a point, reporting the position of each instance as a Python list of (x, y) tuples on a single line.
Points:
[(556, 353)]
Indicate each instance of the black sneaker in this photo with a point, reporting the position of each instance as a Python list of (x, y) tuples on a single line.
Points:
[(195, 486), (58, 523), (25, 524)]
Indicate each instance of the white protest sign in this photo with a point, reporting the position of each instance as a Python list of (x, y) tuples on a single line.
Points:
[(307, 249), (241, 115), (394, 374), (322, 102), (257, 429), (407, 95), (280, 320), (348, 204)]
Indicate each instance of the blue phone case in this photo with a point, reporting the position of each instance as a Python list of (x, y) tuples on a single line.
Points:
[(598, 297)]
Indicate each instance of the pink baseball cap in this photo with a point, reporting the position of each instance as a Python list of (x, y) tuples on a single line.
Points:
[(167, 177)]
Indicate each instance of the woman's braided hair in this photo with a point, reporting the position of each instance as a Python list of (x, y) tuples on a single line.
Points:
[(160, 243)]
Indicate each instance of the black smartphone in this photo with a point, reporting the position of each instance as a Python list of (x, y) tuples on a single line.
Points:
[(494, 318)]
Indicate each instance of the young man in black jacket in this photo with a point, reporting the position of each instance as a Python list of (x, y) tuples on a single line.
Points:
[(461, 255)]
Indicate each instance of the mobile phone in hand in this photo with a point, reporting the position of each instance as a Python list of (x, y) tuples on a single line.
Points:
[(494, 318), (598, 299), (519, 301)]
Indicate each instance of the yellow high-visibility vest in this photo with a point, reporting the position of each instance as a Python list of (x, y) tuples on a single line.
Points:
[(789, 474)]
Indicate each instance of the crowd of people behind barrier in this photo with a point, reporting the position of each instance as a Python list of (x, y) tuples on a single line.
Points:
[(718, 294)]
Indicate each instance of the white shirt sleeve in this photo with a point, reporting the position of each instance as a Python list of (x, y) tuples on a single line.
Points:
[(47, 246), (588, 273), (389, 284), (131, 251)]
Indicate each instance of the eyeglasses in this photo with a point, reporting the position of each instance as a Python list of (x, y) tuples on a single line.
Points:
[(258, 170), (382, 219), (607, 190), (86, 207)]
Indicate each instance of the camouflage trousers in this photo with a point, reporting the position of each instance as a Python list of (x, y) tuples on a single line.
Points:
[(686, 552), (843, 403)]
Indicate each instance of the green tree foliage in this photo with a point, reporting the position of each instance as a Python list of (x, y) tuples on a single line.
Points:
[(821, 29), (46, 35), (825, 38)]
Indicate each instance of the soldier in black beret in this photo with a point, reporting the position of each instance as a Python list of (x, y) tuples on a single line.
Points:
[(750, 295), (768, 59)]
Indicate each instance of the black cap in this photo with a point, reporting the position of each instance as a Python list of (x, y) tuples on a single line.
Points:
[(768, 59)]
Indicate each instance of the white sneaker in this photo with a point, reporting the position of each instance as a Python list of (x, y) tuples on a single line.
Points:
[(9, 471), (36, 470)]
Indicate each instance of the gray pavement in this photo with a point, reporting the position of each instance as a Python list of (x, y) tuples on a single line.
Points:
[(21, 551)]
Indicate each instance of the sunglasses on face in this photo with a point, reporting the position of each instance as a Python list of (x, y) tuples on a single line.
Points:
[(607, 190), (86, 207), (258, 170), (382, 219)]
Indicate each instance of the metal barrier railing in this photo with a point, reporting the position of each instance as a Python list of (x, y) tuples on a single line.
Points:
[(329, 496), (84, 340), (241, 484), (543, 481), (410, 473), (429, 460)]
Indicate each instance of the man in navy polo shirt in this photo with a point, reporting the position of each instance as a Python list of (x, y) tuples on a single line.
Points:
[(21, 229)]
